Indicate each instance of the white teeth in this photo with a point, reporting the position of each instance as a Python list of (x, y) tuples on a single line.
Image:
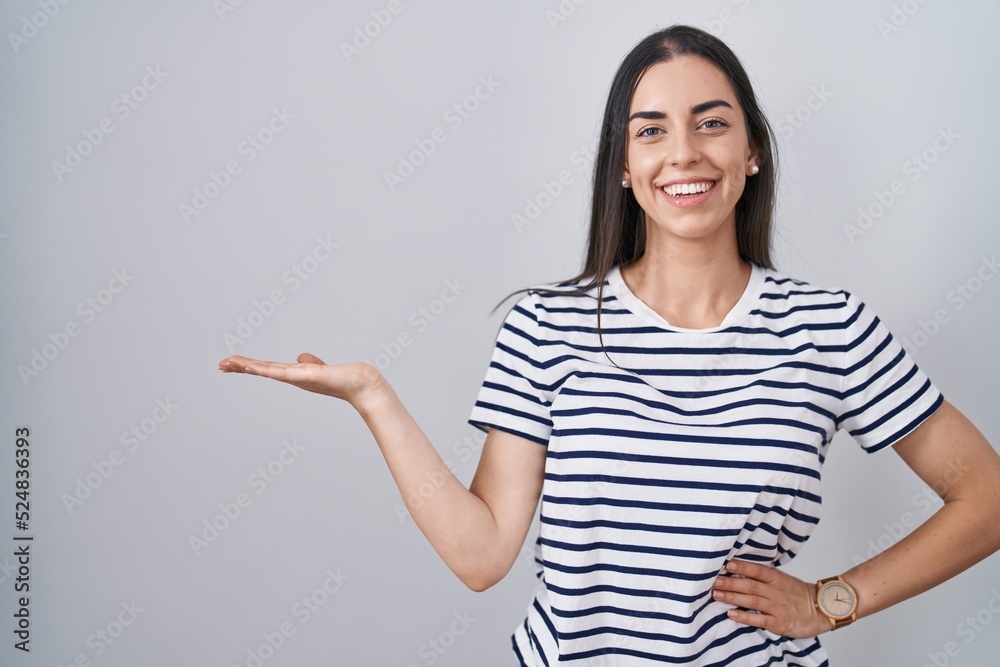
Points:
[(687, 188)]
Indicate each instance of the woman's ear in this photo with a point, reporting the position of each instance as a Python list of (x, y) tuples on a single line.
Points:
[(754, 154)]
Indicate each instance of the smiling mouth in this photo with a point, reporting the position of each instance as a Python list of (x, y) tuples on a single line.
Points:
[(682, 190)]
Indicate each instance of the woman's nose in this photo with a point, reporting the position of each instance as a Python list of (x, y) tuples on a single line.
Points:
[(682, 149)]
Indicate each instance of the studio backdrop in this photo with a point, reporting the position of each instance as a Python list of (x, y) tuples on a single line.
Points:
[(365, 181)]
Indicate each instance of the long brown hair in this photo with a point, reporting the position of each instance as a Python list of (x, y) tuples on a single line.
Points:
[(617, 223)]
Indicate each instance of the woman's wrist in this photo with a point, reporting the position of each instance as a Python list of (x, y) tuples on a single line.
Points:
[(373, 394)]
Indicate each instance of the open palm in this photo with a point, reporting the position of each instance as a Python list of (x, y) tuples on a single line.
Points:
[(346, 381)]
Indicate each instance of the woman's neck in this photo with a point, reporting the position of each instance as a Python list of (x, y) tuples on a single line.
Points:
[(694, 290)]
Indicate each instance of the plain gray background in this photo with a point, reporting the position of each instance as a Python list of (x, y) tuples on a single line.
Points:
[(855, 91)]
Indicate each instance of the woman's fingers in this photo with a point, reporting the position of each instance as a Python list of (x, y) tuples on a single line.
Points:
[(232, 365), (346, 381), (754, 571), (240, 364), (744, 591), (235, 363), (783, 604)]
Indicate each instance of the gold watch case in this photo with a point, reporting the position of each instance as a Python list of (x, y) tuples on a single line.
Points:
[(836, 600)]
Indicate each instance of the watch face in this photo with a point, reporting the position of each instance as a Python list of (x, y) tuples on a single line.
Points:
[(837, 599)]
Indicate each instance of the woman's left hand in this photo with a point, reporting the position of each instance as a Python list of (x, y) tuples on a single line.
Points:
[(786, 604)]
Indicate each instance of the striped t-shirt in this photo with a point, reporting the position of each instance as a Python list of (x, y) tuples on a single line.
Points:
[(706, 445)]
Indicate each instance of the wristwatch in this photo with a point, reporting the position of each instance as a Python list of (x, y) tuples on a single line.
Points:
[(836, 600)]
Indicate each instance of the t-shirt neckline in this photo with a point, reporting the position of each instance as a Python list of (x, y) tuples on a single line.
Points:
[(639, 308)]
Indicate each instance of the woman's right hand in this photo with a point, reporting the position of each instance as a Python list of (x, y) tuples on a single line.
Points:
[(477, 531), (351, 382)]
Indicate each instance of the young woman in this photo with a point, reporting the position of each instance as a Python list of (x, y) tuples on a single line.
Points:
[(672, 407)]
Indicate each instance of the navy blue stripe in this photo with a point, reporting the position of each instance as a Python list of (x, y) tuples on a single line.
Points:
[(909, 427), (655, 636), (871, 405), (790, 444), (681, 352), (871, 378), (496, 407), (796, 309), (878, 398), (645, 504), (534, 639), (517, 652), (725, 372), (659, 657), (863, 339), (528, 436), (784, 333), (621, 590), (675, 460), (648, 527), (504, 389), (675, 483), (633, 613), (632, 379), (580, 310), (798, 292), (624, 569), (781, 281), (779, 659), (674, 507), (633, 548)]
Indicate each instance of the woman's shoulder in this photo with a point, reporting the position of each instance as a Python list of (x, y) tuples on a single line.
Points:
[(562, 292), (808, 298), (561, 302), (778, 282)]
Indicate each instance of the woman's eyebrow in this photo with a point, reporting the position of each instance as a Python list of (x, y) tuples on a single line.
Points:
[(705, 106), (696, 109)]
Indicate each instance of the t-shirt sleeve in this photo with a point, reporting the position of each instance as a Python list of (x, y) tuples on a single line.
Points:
[(516, 394), (884, 394)]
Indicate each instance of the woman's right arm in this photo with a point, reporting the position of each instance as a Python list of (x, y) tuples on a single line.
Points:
[(478, 531)]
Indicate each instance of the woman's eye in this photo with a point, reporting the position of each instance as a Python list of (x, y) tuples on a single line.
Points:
[(718, 124), (648, 131)]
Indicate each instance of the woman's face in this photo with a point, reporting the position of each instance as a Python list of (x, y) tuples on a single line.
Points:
[(686, 126)]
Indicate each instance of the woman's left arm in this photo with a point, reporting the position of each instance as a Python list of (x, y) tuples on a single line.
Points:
[(951, 456)]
